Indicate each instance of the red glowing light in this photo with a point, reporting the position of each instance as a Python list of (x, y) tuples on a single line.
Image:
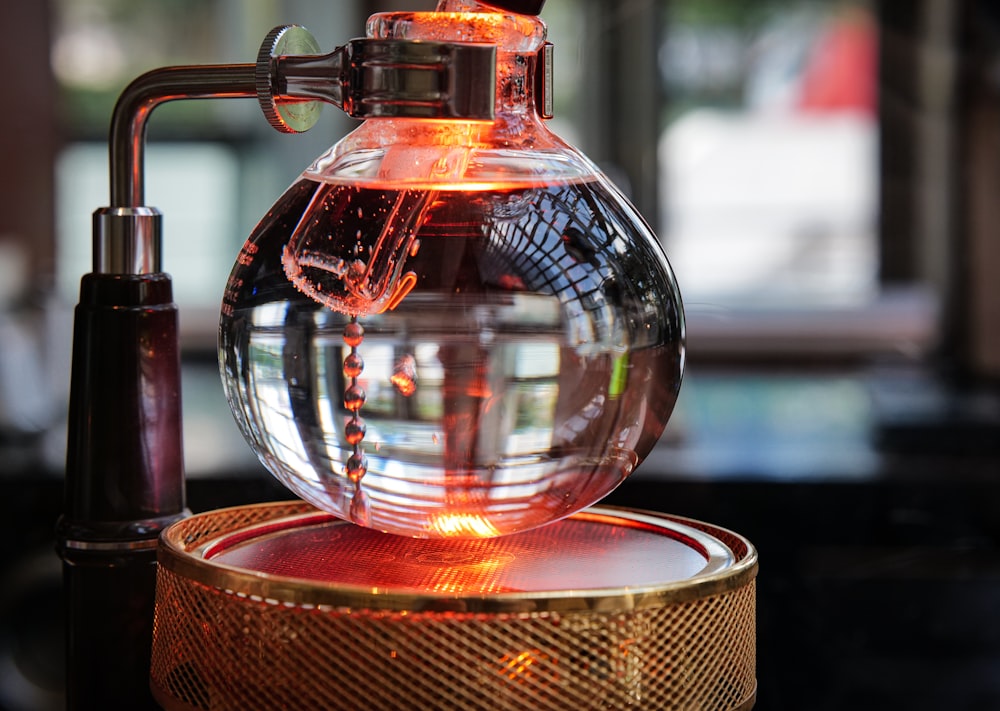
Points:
[(403, 287), (453, 524), (532, 665), (404, 375)]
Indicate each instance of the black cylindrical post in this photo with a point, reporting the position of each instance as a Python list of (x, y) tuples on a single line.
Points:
[(124, 482)]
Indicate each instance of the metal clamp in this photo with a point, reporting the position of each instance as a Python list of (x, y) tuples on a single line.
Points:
[(369, 78)]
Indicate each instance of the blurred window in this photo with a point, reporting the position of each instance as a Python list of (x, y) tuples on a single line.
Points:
[(767, 147)]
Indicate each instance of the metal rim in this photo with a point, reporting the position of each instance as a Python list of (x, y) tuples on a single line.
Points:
[(186, 558)]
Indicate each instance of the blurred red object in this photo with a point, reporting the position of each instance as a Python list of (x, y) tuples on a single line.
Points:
[(840, 72)]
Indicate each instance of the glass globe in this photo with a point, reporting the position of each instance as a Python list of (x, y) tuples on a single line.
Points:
[(453, 328)]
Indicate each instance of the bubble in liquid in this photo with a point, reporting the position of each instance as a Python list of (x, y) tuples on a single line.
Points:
[(353, 365), (357, 467), (354, 334), (404, 375), (354, 397), (355, 430)]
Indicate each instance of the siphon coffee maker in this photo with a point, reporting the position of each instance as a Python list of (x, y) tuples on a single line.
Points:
[(451, 337)]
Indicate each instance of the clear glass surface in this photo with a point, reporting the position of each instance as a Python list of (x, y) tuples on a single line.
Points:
[(453, 329)]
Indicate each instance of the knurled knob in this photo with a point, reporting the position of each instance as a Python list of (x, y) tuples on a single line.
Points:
[(289, 116)]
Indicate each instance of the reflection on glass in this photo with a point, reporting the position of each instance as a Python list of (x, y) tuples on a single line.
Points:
[(532, 364)]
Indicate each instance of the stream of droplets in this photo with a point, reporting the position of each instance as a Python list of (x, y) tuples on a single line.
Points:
[(354, 399), (403, 379), (371, 281)]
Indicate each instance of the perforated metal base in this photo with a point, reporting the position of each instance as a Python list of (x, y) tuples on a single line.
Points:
[(282, 606)]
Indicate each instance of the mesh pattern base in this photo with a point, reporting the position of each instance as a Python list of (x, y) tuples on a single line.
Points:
[(220, 649)]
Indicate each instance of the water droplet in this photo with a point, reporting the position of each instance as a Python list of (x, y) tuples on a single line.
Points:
[(360, 508), (354, 398), (354, 333), (357, 466), (353, 365), (404, 375), (354, 431)]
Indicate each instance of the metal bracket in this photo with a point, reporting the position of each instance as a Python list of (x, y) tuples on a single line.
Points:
[(366, 78)]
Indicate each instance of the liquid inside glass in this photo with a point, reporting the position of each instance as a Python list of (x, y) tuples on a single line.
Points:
[(450, 362)]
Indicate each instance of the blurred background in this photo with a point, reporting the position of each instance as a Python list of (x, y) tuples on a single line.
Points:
[(823, 175)]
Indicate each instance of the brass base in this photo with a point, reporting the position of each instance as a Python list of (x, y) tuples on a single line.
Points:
[(232, 638)]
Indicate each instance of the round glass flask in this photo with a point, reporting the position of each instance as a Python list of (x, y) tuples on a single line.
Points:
[(453, 328)]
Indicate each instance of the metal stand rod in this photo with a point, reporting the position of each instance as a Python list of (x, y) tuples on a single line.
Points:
[(124, 482), (136, 103)]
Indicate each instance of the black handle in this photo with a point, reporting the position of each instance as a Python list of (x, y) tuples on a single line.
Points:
[(124, 482)]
